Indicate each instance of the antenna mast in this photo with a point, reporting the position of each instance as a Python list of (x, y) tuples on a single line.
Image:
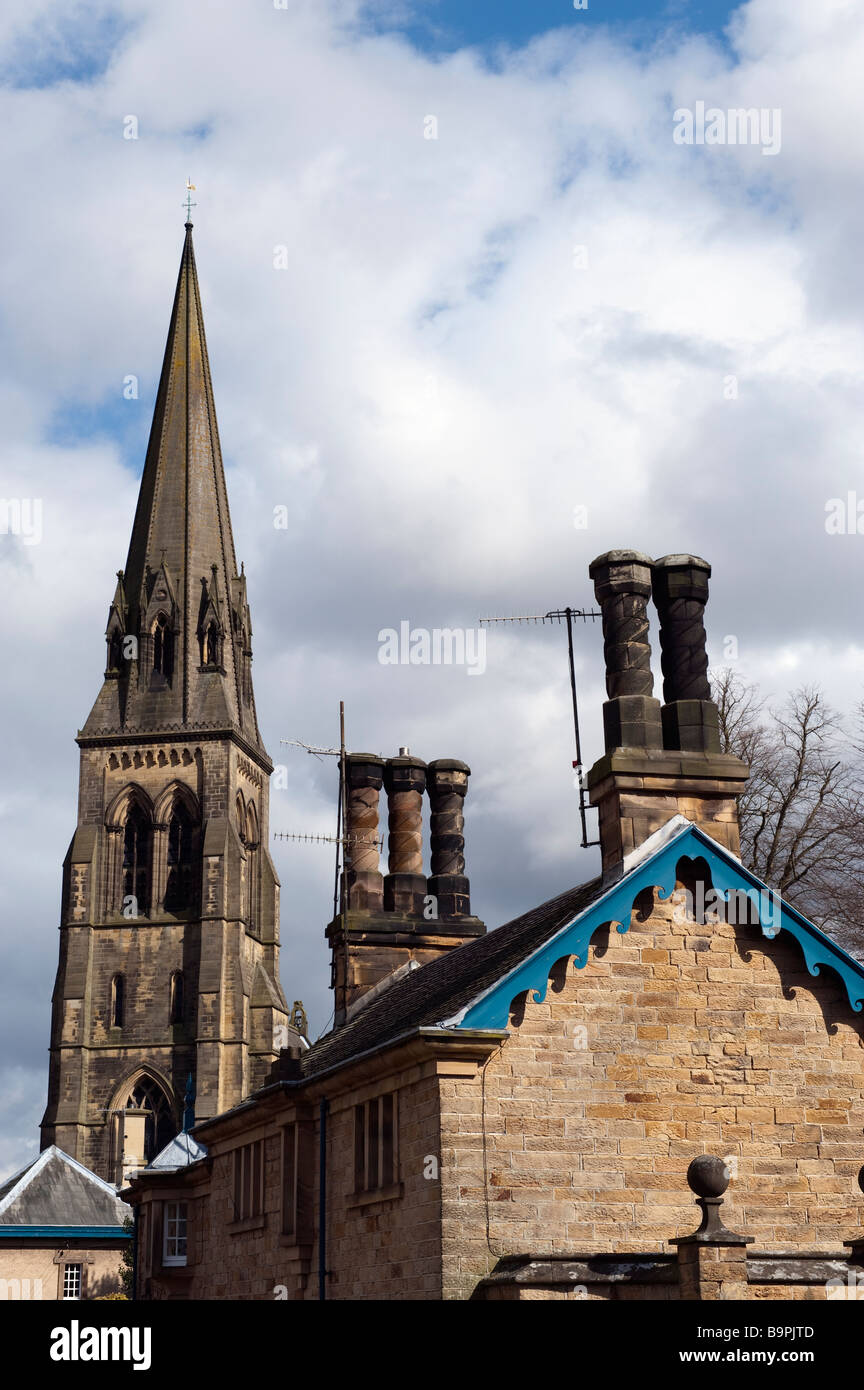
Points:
[(557, 615), (341, 839)]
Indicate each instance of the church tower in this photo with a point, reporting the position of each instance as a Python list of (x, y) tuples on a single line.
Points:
[(169, 934)]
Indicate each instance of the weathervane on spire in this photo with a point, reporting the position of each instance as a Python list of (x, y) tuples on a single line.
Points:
[(189, 205)]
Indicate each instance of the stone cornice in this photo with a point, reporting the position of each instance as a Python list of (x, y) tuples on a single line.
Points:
[(126, 738)]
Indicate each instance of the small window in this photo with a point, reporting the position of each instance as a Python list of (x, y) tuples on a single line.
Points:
[(176, 998), (375, 1151), (71, 1282), (249, 1181), (117, 1001), (174, 1234)]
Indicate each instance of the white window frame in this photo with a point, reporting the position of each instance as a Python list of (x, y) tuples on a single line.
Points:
[(73, 1278), (175, 1228)]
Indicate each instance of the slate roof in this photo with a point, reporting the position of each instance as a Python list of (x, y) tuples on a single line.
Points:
[(56, 1190), (438, 994), (182, 1151), (425, 997)]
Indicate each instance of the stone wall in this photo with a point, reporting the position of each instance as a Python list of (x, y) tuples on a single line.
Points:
[(34, 1271), (676, 1039)]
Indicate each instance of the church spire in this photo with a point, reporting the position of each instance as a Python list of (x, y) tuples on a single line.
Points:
[(186, 604)]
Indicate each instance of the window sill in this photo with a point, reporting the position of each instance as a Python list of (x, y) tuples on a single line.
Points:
[(250, 1223), (380, 1194), (302, 1248)]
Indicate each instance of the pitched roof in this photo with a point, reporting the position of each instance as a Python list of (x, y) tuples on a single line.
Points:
[(182, 1151), (57, 1190), (424, 997), (654, 865), (474, 985)]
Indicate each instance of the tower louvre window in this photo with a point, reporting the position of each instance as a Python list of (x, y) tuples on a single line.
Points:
[(118, 991), (251, 843), (137, 844), (163, 647), (180, 881), (115, 650), (213, 645), (176, 999)]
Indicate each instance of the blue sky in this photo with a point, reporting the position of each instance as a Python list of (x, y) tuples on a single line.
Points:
[(443, 26), (431, 462)]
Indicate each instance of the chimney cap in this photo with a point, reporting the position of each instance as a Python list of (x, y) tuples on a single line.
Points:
[(404, 752), (448, 765), (693, 562), (619, 557)]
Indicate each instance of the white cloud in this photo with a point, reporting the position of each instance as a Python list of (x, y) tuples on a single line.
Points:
[(431, 386)]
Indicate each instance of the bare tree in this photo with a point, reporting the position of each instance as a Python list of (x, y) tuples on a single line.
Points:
[(801, 817)]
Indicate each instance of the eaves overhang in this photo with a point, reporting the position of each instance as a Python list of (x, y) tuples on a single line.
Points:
[(658, 870)]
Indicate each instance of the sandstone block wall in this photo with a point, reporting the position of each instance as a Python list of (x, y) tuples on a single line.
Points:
[(676, 1039)]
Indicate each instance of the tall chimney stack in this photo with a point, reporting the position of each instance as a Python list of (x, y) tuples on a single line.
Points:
[(658, 763), (401, 919), (364, 774), (631, 715), (690, 717), (447, 781), (405, 884)]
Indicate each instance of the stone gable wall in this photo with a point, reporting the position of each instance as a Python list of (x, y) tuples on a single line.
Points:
[(676, 1039)]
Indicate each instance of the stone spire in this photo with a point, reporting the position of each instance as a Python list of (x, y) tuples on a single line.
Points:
[(184, 601)]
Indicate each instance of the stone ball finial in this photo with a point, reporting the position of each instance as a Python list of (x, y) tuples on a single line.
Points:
[(707, 1176)]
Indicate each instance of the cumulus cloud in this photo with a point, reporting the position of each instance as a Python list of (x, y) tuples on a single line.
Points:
[(430, 350)]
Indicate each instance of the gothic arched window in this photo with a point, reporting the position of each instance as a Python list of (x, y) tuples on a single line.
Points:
[(115, 650), (137, 843), (160, 1126), (163, 647), (180, 881), (118, 990), (212, 645), (176, 1002), (251, 842)]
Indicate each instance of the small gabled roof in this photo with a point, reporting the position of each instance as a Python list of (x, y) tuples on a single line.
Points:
[(473, 986), (182, 1151), (56, 1191)]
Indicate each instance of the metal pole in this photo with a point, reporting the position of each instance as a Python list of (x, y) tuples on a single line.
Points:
[(343, 802), (578, 764)]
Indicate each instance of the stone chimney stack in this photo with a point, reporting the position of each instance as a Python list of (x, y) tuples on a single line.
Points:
[(631, 715), (365, 883), (405, 884), (690, 718), (447, 781), (402, 919), (658, 762)]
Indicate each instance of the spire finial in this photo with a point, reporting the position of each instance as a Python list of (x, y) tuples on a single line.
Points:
[(189, 205)]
